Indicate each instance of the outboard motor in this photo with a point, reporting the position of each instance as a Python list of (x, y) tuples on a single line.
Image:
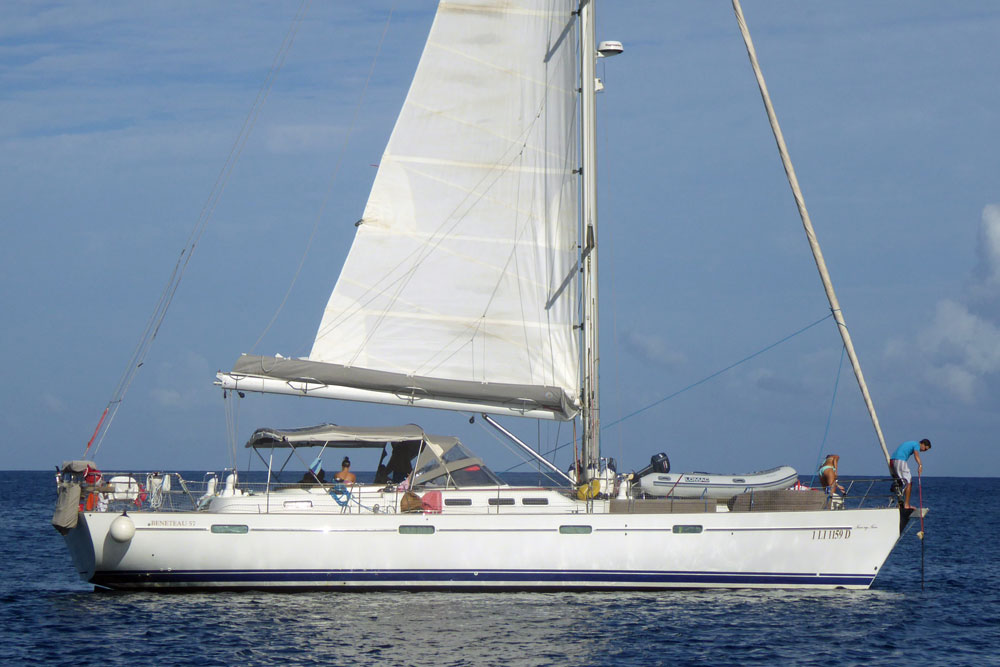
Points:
[(658, 463)]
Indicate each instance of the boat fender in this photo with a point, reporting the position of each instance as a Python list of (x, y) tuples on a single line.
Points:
[(122, 529), (589, 491)]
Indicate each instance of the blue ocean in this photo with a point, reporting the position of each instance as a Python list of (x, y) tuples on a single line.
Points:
[(49, 616)]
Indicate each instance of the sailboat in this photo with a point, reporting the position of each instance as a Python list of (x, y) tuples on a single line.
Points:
[(471, 286)]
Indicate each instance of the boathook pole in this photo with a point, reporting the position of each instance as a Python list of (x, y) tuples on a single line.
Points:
[(920, 508)]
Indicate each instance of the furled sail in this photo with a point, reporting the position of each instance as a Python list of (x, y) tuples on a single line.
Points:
[(460, 288)]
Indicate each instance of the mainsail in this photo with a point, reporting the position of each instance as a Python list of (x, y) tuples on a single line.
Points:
[(460, 288)]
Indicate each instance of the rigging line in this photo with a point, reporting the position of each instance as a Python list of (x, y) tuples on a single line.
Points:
[(544, 455), (421, 253), (829, 417), (414, 258), (516, 451), (807, 226), (552, 228), (695, 384), (519, 231), (529, 225), (715, 374), (242, 142), (478, 324), (333, 178), (166, 297)]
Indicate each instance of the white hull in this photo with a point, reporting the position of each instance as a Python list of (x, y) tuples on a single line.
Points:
[(812, 549), (714, 485)]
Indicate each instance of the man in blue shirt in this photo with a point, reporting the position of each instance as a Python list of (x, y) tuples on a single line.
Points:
[(901, 471)]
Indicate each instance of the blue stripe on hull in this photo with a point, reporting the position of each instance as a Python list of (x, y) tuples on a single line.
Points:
[(465, 579)]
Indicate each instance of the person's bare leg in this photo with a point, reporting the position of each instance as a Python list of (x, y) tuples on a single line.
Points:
[(907, 505)]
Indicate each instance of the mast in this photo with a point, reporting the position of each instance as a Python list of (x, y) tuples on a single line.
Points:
[(591, 413), (800, 201)]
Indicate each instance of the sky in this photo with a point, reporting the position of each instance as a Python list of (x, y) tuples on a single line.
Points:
[(117, 118)]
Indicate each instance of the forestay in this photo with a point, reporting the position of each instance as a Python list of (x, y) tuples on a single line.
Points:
[(460, 288)]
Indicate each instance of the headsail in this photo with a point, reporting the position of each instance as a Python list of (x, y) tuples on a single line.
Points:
[(460, 288)]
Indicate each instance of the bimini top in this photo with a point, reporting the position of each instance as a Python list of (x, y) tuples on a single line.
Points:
[(331, 435), (442, 461)]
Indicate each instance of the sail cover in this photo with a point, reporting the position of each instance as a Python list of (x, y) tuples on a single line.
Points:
[(460, 288)]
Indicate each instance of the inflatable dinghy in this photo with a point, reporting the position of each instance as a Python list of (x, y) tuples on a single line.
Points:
[(714, 485)]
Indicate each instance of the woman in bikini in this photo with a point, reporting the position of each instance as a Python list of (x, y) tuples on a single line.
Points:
[(828, 473)]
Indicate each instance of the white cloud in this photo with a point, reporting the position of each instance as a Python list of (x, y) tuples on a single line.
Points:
[(960, 348), (179, 380), (959, 336), (168, 398), (304, 138), (957, 380), (652, 348), (768, 380), (54, 403), (988, 272)]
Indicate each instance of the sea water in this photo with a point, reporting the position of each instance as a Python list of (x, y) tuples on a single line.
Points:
[(48, 615)]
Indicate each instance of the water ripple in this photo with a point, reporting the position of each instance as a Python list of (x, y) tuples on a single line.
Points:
[(49, 616)]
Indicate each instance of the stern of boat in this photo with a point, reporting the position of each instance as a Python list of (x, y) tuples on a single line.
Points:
[(80, 543)]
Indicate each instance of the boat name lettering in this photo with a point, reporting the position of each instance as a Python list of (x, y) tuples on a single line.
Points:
[(696, 480), (832, 534), (170, 523)]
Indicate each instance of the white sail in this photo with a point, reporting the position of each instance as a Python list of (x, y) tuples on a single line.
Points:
[(461, 282)]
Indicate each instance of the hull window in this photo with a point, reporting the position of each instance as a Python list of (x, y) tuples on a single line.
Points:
[(229, 529), (683, 530)]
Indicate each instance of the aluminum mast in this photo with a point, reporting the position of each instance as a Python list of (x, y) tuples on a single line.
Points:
[(591, 413)]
